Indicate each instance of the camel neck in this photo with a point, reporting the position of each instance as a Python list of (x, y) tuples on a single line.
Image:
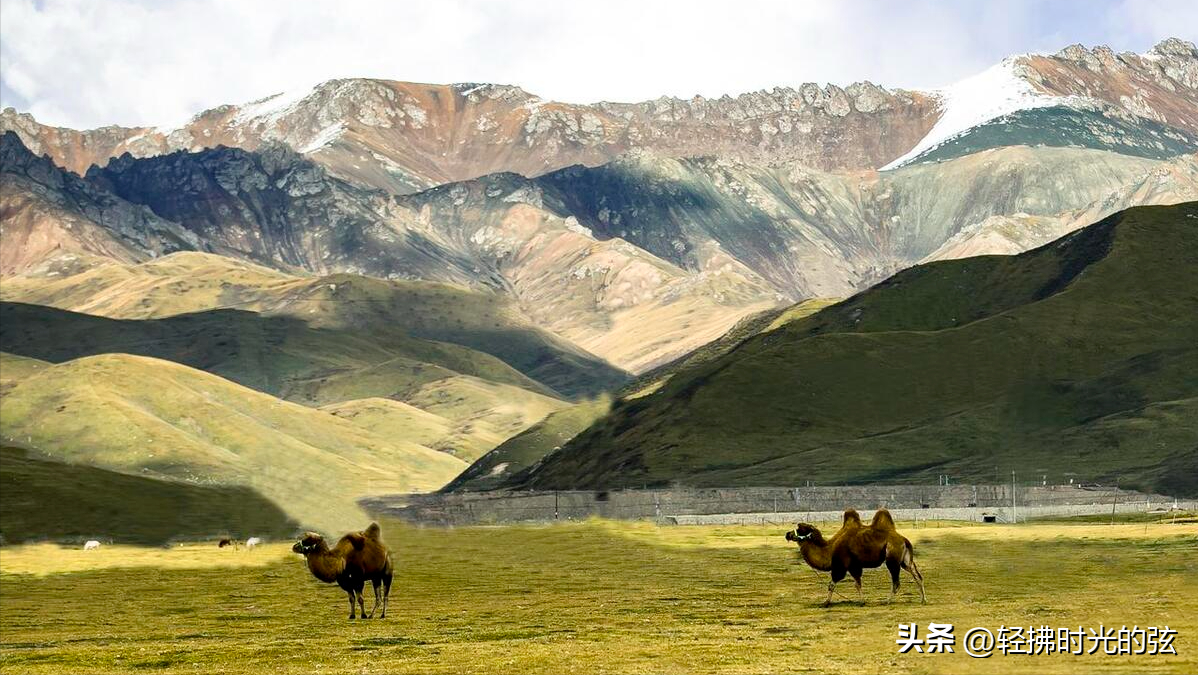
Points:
[(816, 552), (325, 565)]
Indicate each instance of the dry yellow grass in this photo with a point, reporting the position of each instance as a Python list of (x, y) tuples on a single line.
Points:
[(608, 597), (49, 559)]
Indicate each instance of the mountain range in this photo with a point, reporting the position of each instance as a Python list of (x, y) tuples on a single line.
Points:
[(467, 267)]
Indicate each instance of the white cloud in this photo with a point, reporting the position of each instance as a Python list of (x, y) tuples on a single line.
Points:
[(84, 63)]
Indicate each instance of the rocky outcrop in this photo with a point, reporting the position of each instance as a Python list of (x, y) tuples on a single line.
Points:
[(46, 211), (404, 137), (1160, 85)]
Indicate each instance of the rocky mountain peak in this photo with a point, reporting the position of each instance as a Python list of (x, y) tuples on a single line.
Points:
[(1175, 47)]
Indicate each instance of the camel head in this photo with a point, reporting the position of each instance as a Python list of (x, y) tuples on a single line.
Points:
[(309, 543), (803, 532)]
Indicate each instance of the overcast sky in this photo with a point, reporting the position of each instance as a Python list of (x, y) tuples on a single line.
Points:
[(86, 63)]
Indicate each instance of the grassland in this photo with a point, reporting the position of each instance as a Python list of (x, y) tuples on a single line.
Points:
[(595, 596), (1077, 357)]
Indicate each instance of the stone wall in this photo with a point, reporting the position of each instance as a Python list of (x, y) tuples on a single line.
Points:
[(951, 502)]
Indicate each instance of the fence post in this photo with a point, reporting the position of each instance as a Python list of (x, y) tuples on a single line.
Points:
[(555, 505)]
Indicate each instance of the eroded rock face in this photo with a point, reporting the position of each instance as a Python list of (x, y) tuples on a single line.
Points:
[(48, 211), (1161, 85), (404, 137)]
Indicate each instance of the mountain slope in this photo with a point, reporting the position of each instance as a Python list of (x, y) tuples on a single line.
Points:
[(158, 419), (473, 333), (46, 211), (50, 500), (1075, 357)]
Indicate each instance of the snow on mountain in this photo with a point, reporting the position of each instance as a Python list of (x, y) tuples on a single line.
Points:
[(272, 108), (992, 93)]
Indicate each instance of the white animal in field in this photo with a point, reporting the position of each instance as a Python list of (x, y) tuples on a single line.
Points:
[(91, 544), (252, 542)]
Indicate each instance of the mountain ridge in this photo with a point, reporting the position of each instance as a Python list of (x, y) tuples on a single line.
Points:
[(1089, 369), (404, 137)]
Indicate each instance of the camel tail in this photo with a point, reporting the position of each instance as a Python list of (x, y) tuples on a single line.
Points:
[(909, 562), (374, 532)]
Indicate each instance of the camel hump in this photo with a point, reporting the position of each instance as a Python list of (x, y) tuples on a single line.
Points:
[(851, 516), (356, 540), (373, 531), (882, 520)]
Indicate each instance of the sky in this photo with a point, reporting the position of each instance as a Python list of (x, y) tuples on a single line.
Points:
[(88, 63)]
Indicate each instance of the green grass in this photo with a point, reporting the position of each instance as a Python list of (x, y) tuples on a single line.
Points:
[(604, 597), (1077, 357), (50, 500)]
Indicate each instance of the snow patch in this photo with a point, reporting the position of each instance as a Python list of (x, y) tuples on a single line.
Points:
[(322, 138), (273, 107), (992, 93)]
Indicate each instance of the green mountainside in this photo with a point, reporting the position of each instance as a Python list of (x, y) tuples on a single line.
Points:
[(44, 499), (1067, 127), (1078, 357)]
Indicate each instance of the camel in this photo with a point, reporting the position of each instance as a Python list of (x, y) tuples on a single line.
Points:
[(855, 547), (357, 558)]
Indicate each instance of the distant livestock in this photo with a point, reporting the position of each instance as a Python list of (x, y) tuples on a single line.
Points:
[(252, 542), (90, 545), (225, 542), (856, 547), (357, 558)]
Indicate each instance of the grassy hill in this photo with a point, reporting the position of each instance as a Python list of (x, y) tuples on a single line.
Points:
[(43, 499), (474, 416), (1076, 357), (159, 419), (525, 449), (470, 332)]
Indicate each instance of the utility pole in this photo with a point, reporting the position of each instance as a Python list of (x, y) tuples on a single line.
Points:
[(1014, 518), (1114, 501)]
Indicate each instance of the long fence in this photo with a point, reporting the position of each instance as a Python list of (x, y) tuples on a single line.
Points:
[(1001, 503)]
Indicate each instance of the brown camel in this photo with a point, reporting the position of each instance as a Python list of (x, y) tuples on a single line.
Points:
[(855, 547), (357, 558)]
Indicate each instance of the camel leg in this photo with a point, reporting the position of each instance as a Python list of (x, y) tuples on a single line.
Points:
[(892, 566), (386, 593), (837, 575), (351, 604), (362, 600), (909, 565), (856, 574), (376, 583)]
